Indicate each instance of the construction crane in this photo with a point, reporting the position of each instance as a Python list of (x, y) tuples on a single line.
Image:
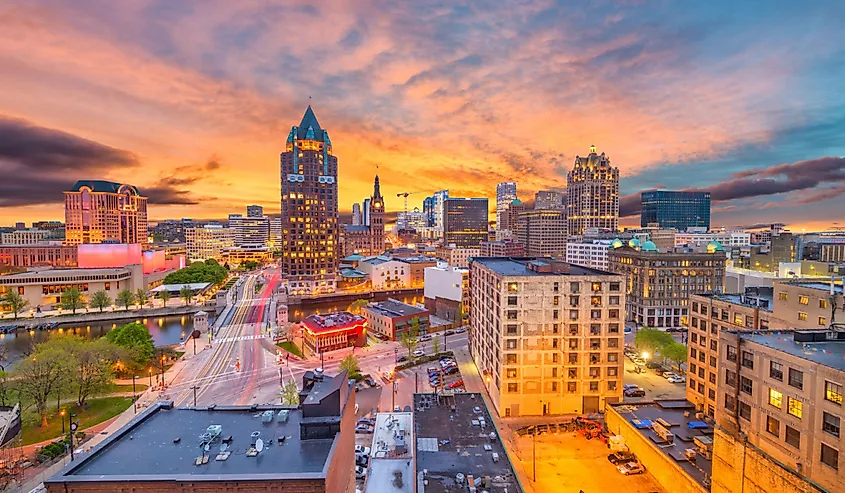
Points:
[(405, 194)]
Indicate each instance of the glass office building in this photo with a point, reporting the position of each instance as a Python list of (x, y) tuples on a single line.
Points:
[(465, 221), (676, 209)]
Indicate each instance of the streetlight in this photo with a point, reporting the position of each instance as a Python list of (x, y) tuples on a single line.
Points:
[(134, 403), (645, 355), (195, 388), (62, 414), (151, 377), (73, 426)]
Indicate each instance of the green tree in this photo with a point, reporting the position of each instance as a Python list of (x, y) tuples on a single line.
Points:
[(41, 375), (125, 298), (5, 388), (410, 337), (290, 393), (91, 363), (357, 305), (675, 352), (652, 340), (14, 301), (351, 365), (134, 337), (164, 296), (208, 271), (72, 300), (186, 294), (249, 265), (435, 344), (100, 300), (141, 297)]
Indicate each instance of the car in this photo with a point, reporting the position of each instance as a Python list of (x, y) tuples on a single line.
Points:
[(419, 352), (630, 468), (432, 369), (455, 384), (362, 428), (669, 374), (630, 386), (542, 429), (460, 330), (449, 332), (360, 472), (451, 370), (365, 421), (638, 392), (425, 338), (652, 365), (370, 381), (361, 460), (401, 358), (620, 457), (362, 450), (525, 430), (677, 379)]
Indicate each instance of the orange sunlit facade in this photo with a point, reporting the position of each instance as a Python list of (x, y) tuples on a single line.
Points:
[(321, 333)]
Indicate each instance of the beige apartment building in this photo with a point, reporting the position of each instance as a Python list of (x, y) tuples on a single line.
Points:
[(658, 285), (546, 335), (806, 304), (782, 391), (209, 241), (709, 315), (543, 232)]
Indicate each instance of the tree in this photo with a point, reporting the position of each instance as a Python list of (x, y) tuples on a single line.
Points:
[(72, 300), (141, 297), (208, 271), (290, 394), (410, 338), (652, 340), (125, 298), (136, 338), (164, 296), (435, 344), (14, 301), (40, 375), (186, 294), (91, 363), (675, 352), (351, 365), (357, 305), (100, 300)]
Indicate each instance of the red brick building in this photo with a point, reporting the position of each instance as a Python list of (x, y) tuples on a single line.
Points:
[(321, 333)]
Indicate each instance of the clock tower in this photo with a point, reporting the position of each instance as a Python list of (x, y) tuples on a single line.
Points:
[(376, 220)]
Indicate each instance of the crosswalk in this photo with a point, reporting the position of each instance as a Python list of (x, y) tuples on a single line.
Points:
[(244, 338)]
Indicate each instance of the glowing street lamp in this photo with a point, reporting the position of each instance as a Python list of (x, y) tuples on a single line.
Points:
[(645, 355)]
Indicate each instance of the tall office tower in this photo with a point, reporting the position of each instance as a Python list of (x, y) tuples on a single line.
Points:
[(209, 241), (309, 209), (437, 207), (505, 194), (275, 233), (428, 210), (465, 221), (543, 232), (549, 199), (254, 211), (365, 213), (675, 209), (546, 336), (376, 219), (250, 230), (356, 214), (99, 211), (592, 194)]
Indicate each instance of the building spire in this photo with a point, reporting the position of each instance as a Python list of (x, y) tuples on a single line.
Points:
[(376, 189)]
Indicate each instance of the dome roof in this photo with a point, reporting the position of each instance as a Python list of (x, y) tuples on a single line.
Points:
[(634, 243), (714, 246), (649, 246), (516, 201), (616, 243)]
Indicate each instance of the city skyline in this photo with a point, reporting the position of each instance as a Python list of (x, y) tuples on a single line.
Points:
[(754, 117)]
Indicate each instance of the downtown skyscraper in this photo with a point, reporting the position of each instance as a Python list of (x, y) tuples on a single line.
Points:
[(592, 194), (309, 209), (505, 194)]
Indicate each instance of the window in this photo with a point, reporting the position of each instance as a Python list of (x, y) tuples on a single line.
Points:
[(511, 372), (693, 352), (511, 300), (510, 359), (802, 316), (773, 426), (573, 373), (803, 300), (711, 377), (573, 314), (730, 403), (830, 456), (510, 343), (730, 378), (830, 424), (614, 301), (782, 296), (793, 437), (823, 304), (511, 330), (748, 360), (572, 387), (833, 392), (513, 287), (574, 287), (796, 378), (511, 314), (711, 394), (612, 371), (596, 287), (614, 287), (595, 314), (611, 385), (108, 286), (612, 357), (556, 300), (693, 337), (595, 300), (594, 386), (745, 385), (731, 354), (513, 388), (555, 287), (738, 319), (776, 398), (795, 407), (776, 371), (744, 411), (692, 367)]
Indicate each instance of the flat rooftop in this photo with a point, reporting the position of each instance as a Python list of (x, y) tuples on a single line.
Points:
[(332, 321), (391, 467), (830, 353), (24, 276), (518, 266), (763, 301), (820, 285), (164, 442), (450, 439), (671, 411), (393, 308)]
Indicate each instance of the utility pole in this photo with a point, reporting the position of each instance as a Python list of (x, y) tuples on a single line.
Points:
[(134, 402), (195, 388), (195, 344), (73, 426), (394, 394)]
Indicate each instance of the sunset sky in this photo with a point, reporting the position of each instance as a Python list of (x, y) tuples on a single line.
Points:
[(192, 101)]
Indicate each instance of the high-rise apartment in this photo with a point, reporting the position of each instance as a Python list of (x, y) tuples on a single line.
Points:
[(543, 232), (208, 241), (309, 209), (98, 211), (675, 209), (254, 211), (356, 214), (549, 199), (659, 285), (505, 194), (546, 336), (250, 230), (275, 232), (465, 221), (592, 194), (510, 219)]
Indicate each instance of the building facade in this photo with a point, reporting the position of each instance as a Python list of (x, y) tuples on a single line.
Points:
[(99, 211), (254, 211), (367, 239), (446, 291), (252, 231), (510, 221), (386, 273), (505, 194), (44, 289), (24, 237), (23, 256), (356, 214), (310, 249), (209, 241), (457, 256), (543, 232), (549, 199), (546, 336), (807, 304), (416, 269), (465, 221), (658, 285), (392, 318), (592, 194), (588, 254), (502, 248), (675, 209), (438, 211), (338, 330)]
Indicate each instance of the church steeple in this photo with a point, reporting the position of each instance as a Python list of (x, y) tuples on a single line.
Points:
[(376, 190)]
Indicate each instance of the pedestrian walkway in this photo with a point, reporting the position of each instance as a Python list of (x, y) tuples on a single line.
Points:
[(243, 338)]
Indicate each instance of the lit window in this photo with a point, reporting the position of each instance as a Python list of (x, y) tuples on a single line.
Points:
[(802, 316), (776, 398), (803, 300), (796, 407), (833, 392)]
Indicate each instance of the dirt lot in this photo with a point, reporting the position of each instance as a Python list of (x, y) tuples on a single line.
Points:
[(568, 463)]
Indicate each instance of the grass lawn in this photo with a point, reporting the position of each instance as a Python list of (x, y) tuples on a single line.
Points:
[(95, 411), (127, 387), (290, 347)]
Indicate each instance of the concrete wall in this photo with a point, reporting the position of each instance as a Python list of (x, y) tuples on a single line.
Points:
[(658, 464), (737, 467)]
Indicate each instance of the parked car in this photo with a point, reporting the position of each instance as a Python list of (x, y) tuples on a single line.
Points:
[(460, 330), (425, 338), (449, 332), (677, 379), (419, 352), (542, 429), (669, 374), (451, 370), (401, 358), (652, 365), (360, 472), (364, 428), (365, 421), (361, 460), (621, 457), (637, 392), (455, 384), (630, 386), (370, 381), (397, 409), (630, 468), (360, 449)]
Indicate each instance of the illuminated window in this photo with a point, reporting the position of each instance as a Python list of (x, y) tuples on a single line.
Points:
[(803, 300), (776, 398), (795, 407), (802, 316), (782, 296), (833, 392), (513, 287)]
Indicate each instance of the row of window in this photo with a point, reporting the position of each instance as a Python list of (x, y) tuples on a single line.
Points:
[(571, 373), (572, 329), (575, 287), (573, 314), (572, 358), (571, 387)]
